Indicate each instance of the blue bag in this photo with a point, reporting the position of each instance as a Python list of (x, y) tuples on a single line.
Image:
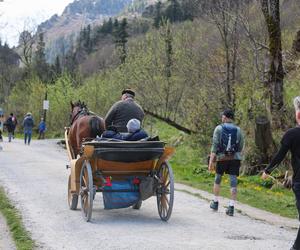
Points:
[(229, 143), (129, 194)]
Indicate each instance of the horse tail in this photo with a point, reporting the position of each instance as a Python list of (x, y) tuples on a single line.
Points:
[(95, 125)]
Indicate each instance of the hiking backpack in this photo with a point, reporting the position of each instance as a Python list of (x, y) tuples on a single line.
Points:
[(229, 143)]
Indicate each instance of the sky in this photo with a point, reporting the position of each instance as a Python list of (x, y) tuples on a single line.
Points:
[(17, 15)]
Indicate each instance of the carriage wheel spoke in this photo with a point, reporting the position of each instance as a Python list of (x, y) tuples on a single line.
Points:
[(167, 184), (83, 178), (163, 202), (166, 201), (165, 212)]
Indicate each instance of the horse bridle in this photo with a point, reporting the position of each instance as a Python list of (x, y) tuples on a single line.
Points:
[(77, 114)]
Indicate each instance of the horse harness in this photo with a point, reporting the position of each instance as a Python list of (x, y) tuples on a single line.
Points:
[(83, 111)]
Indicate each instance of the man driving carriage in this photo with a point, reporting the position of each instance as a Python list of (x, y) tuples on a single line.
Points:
[(123, 111)]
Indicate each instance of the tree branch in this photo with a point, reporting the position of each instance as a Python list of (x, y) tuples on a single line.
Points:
[(170, 122)]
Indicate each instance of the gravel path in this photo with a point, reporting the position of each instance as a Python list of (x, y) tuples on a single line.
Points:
[(36, 180)]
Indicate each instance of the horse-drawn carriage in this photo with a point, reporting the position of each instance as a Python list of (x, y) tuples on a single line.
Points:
[(125, 172)]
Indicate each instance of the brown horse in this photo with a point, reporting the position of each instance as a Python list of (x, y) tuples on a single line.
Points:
[(84, 125)]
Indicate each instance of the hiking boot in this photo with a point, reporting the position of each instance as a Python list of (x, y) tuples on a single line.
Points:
[(230, 210), (214, 205)]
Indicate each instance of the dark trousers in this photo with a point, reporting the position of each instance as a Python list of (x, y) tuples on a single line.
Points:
[(27, 137), (41, 135), (296, 189)]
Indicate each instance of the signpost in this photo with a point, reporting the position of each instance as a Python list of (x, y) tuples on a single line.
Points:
[(45, 106)]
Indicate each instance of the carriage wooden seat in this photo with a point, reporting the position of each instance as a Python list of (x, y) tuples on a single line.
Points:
[(124, 151)]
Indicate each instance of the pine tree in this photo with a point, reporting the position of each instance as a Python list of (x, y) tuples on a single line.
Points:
[(121, 38), (57, 66), (87, 42), (107, 27), (40, 64), (71, 62), (174, 11), (115, 30), (158, 14)]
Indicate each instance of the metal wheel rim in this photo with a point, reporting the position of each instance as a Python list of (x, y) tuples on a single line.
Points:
[(86, 191), (165, 191)]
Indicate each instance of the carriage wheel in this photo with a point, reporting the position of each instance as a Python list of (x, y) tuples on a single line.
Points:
[(72, 198), (86, 190), (165, 191)]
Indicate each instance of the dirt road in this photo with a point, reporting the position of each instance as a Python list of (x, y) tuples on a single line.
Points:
[(36, 180)]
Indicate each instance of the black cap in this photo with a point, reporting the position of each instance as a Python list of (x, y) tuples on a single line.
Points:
[(228, 113), (128, 91)]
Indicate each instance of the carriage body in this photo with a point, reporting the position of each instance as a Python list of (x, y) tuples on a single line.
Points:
[(103, 163)]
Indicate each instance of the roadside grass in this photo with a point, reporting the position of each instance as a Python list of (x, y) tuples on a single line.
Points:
[(191, 169), (13, 218)]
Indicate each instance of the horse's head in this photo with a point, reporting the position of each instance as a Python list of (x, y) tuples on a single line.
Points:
[(77, 108)]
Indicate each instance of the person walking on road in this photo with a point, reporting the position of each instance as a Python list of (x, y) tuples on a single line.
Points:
[(123, 111), (15, 122), (42, 129), (290, 142), (227, 146), (28, 124), (9, 124)]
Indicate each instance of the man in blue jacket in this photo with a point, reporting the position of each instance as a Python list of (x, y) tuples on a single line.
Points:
[(42, 129), (28, 124)]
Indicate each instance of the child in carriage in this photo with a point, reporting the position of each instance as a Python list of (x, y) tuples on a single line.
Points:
[(135, 133)]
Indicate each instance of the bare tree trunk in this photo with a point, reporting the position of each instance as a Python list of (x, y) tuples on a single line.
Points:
[(271, 11), (225, 15), (263, 139)]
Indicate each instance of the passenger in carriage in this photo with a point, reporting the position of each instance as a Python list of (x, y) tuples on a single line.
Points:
[(112, 133), (135, 133), (124, 110)]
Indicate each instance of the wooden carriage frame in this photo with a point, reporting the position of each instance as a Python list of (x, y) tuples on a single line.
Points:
[(90, 169)]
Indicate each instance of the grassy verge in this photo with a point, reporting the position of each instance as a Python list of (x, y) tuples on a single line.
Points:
[(190, 169), (20, 236)]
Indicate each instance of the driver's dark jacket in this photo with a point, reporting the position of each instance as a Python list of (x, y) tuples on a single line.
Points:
[(123, 111)]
